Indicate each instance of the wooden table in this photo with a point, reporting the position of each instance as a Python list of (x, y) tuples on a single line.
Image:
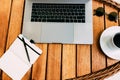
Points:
[(58, 61)]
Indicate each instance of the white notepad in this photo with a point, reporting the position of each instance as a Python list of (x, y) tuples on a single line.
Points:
[(15, 61)]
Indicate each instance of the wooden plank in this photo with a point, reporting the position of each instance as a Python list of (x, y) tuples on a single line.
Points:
[(119, 18), (4, 22), (109, 24), (54, 62), (83, 60), (15, 25), (68, 61), (0, 75), (98, 58), (38, 72), (15, 21)]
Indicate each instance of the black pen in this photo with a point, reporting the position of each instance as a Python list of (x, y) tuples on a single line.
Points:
[(26, 49)]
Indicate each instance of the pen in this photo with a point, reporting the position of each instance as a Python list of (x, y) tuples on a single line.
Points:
[(26, 50)]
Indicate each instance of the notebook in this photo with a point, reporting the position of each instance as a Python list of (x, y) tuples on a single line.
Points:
[(19, 58), (58, 21)]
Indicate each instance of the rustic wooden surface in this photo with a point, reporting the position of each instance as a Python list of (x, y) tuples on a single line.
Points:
[(58, 61)]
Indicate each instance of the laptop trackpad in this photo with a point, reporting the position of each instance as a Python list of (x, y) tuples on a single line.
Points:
[(57, 32)]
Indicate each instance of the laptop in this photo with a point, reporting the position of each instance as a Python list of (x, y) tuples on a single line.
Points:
[(58, 21)]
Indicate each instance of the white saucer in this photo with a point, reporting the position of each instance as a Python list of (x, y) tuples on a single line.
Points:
[(106, 43)]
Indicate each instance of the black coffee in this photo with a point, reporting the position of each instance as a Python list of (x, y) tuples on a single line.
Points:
[(116, 40)]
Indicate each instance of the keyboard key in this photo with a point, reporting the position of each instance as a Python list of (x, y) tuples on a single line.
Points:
[(42, 12)]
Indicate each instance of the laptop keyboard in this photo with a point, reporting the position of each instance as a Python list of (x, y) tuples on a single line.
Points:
[(71, 13)]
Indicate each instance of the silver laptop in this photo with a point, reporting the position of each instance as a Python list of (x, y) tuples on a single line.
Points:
[(58, 21)]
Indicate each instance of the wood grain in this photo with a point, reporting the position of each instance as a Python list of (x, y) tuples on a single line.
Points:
[(39, 68), (83, 60), (4, 23), (109, 24), (0, 75), (98, 58), (15, 21), (119, 18), (15, 25), (90, 58), (68, 61), (54, 62)]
